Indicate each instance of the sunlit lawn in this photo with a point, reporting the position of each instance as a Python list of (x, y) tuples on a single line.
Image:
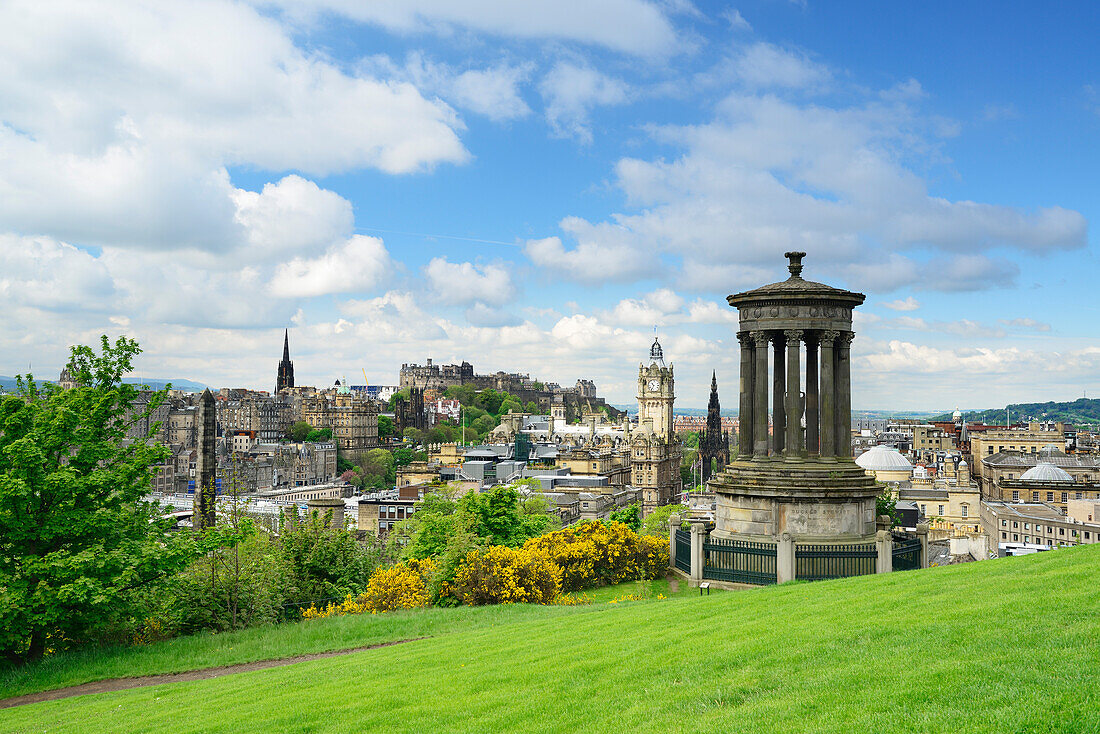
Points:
[(1000, 646)]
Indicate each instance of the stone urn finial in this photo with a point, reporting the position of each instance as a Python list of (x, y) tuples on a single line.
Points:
[(796, 263)]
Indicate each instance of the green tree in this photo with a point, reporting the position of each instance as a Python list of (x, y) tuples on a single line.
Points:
[(378, 469), (78, 545), (656, 522), (539, 386), (629, 516), (403, 456), (484, 424), (385, 427), (532, 407), (298, 431), (885, 504), (413, 435), (318, 435)]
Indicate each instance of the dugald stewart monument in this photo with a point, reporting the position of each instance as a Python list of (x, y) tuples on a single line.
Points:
[(799, 477)]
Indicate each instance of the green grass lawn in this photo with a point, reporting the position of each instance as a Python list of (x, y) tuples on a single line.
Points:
[(288, 640), (1000, 646)]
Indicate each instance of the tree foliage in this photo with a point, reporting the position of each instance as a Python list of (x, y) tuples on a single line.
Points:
[(298, 431), (385, 427), (656, 522), (77, 542), (630, 516)]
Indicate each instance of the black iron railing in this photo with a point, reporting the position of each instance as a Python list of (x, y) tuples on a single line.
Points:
[(739, 561), (683, 551), (818, 562), (906, 553)]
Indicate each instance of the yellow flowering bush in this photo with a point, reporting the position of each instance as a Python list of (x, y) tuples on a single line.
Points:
[(597, 553), (503, 575), (403, 586)]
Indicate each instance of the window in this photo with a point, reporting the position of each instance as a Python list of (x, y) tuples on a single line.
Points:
[(1015, 495), (924, 509), (1027, 538), (1027, 526), (1004, 536), (1079, 495), (965, 509), (1004, 523), (990, 450), (1061, 531), (940, 513), (1087, 536), (1015, 524), (1034, 496), (1015, 536), (1065, 497), (1050, 496)]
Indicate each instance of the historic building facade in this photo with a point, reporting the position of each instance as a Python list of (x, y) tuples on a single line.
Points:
[(285, 377), (655, 450)]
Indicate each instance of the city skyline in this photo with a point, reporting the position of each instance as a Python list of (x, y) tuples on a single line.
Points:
[(533, 190)]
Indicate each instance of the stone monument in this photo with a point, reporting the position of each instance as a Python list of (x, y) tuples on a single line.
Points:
[(795, 480), (206, 465)]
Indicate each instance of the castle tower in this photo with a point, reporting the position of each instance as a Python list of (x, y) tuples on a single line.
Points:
[(286, 367), (656, 392), (804, 483), (206, 467)]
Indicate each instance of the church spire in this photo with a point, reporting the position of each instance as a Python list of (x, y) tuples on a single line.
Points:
[(285, 376)]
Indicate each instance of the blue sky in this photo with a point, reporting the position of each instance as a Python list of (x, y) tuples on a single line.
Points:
[(534, 186)]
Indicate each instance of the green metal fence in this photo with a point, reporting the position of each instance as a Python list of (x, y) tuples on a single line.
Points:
[(738, 560), (906, 553), (819, 562), (683, 551)]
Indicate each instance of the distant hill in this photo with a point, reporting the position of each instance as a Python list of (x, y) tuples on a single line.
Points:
[(155, 383), (1077, 412)]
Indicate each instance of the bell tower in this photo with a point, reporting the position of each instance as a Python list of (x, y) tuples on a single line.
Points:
[(656, 392)]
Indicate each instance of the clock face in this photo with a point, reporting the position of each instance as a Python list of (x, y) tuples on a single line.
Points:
[(654, 385)]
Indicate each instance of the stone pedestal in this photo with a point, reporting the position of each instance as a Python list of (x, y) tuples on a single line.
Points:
[(335, 504), (814, 501), (698, 535), (673, 526)]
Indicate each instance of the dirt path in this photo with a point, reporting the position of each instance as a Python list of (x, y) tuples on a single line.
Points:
[(122, 684)]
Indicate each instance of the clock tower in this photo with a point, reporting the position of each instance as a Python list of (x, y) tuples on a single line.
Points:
[(656, 392), (655, 450)]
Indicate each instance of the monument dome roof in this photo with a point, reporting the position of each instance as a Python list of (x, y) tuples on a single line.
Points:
[(797, 288), (1043, 472), (883, 458)]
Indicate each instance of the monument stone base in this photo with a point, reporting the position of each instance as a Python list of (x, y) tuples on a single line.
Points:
[(828, 500)]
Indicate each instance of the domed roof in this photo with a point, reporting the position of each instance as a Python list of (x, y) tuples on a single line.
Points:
[(883, 458), (957, 415), (1044, 472)]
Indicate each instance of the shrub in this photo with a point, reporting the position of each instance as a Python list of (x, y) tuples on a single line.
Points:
[(503, 575), (596, 554), (404, 586)]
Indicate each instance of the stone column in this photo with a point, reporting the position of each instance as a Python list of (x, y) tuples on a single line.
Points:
[(760, 395), (843, 379), (827, 397), (884, 541), (784, 559), (779, 395), (793, 397), (812, 445), (922, 533), (744, 413), (326, 505), (673, 526), (698, 535)]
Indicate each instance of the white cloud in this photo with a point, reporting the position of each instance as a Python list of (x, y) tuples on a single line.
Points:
[(1026, 324), (41, 272), (907, 304), (467, 283), (601, 255), (766, 65), (629, 26), (357, 264), (291, 216), (571, 92), (122, 137), (492, 91), (769, 175)]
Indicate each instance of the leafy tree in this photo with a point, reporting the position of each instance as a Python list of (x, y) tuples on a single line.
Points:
[(509, 405), (484, 424), (690, 439), (629, 516), (378, 469), (403, 456), (385, 427), (318, 435), (532, 407), (402, 394), (490, 400), (298, 431), (319, 561), (885, 504), (464, 394), (656, 522), (539, 386), (78, 544), (413, 435)]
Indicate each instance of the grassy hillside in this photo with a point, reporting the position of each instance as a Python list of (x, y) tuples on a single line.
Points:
[(1083, 411), (998, 646)]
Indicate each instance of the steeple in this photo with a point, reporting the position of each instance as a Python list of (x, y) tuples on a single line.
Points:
[(285, 376)]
